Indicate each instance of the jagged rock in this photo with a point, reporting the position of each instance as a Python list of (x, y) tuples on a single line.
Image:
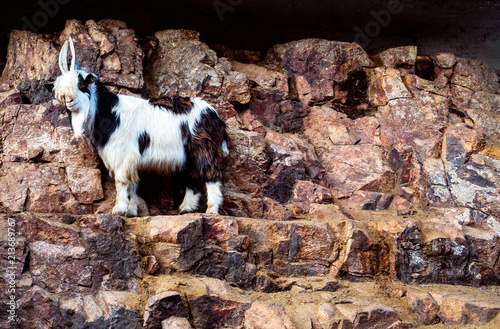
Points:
[(30, 56), (346, 162), (176, 323), (476, 76), (424, 306), (385, 84), (173, 51), (214, 311), (267, 315), (162, 306), (315, 66), (376, 316), (472, 181), (401, 58), (39, 308), (109, 49)]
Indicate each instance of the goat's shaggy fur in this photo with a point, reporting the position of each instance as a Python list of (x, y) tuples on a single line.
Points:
[(132, 134)]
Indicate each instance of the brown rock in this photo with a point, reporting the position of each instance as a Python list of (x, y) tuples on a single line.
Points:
[(424, 306), (476, 76), (385, 84), (85, 183), (109, 49), (214, 311), (348, 167), (401, 58), (39, 308), (267, 315), (471, 183), (162, 306), (444, 60), (180, 240), (315, 65), (374, 316), (30, 56), (236, 88), (305, 191), (175, 323), (175, 50), (364, 200), (121, 309), (485, 101)]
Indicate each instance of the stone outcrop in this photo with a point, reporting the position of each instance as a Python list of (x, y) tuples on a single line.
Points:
[(360, 191)]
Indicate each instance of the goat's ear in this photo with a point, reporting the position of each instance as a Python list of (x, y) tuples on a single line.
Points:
[(90, 79)]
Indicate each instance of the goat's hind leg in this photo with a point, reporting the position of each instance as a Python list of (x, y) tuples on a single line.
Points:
[(190, 201), (214, 197)]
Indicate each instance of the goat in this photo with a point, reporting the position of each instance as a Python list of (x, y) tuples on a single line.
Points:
[(132, 134)]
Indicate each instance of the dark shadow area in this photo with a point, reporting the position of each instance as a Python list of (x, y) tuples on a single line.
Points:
[(467, 28)]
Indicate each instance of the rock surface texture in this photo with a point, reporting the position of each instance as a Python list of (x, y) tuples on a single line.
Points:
[(360, 191)]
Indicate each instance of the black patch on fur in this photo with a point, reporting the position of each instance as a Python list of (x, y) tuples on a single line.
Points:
[(144, 141), (178, 105), (204, 148), (106, 121)]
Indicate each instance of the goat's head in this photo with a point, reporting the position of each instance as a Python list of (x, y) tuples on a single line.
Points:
[(74, 88)]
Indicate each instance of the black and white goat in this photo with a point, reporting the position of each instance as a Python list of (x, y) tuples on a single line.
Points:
[(132, 134)]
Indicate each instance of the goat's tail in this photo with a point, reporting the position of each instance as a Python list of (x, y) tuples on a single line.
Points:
[(225, 149)]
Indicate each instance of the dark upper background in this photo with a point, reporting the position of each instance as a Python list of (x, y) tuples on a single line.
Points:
[(469, 29)]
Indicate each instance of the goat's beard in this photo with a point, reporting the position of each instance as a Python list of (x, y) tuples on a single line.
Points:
[(79, 119)]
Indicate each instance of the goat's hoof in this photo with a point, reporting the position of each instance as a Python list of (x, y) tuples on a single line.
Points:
[(119, 211)]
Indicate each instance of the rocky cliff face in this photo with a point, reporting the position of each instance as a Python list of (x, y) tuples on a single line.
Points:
[(360, 191)]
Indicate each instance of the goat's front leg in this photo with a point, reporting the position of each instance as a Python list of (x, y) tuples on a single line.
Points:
[(121, 205), (126, 199)]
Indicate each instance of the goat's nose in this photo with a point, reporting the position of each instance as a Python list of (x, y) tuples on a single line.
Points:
[(69, 99)]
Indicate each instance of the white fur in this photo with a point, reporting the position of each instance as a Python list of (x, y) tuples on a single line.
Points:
[(214, 197), (190, 201)]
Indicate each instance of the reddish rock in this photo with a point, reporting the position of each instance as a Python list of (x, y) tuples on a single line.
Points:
[(385, 84), (163, 306), (172, 52), (292, 159), (85, 183), (315, 65), (267, 315), (30, 56), (176, 323), (41, 133), (471, 181), (466, 310), (305, 191), (476, 76), (401, 58), (39, 308), (213, 311), (36, 188), (376, 316), (348, 167), (406, 119), (424, 306), (109, 49)]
